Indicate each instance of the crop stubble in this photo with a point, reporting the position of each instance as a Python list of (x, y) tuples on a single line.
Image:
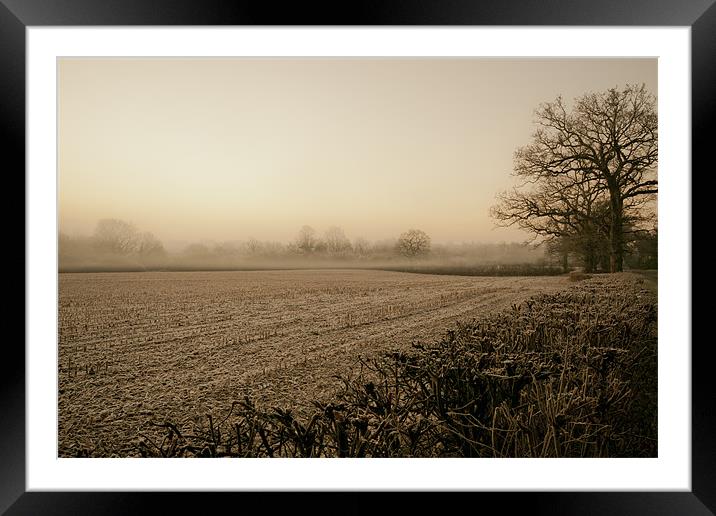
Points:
[(167, 345)]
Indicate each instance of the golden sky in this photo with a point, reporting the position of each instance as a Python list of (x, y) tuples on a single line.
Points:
[(227, 149)]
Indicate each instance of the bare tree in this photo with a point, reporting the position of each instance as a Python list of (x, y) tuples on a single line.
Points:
[(413, 243), (149, 246), (567, 212), (306, 240), (608, 137), (253, 247), (361, 246), (115, 236), (644, 250), (336, 241)]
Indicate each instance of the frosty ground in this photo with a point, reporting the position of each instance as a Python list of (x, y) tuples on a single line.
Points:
[(175, 346)]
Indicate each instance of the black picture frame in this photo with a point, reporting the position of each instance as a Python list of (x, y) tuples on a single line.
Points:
[(17, 15)]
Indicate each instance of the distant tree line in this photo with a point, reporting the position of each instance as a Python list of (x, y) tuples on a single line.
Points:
[(113, 242), (119, 244), (589, 180), (116, 244), (334, 244)]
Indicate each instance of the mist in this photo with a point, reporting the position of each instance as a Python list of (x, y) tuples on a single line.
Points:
[(117, 245)]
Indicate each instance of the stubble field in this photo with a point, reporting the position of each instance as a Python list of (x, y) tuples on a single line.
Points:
[(155, 346)]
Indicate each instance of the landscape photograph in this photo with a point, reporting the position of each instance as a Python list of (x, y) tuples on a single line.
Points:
[(357, 257)]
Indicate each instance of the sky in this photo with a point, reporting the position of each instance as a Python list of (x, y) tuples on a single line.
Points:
[(226, 149)]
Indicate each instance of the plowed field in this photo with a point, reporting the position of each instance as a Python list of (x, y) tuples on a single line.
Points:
[(135, 347)]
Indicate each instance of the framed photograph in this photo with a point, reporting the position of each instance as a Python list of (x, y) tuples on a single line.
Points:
[(410, 249)]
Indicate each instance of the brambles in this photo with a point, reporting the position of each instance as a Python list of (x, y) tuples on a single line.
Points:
[(566, 374)]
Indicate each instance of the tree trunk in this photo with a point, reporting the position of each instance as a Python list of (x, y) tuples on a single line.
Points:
[(589, 261), (616, 230), (589, 255), (565, 262)]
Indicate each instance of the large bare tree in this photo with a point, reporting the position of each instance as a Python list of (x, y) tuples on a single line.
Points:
[(567, 212), (608, 139)]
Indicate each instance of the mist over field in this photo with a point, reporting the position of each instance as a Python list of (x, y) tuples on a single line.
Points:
[(119, 245)]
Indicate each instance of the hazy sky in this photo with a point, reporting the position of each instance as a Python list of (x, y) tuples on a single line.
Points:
[(227, 149)]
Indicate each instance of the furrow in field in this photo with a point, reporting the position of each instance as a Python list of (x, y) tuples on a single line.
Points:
[(139, 347)]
